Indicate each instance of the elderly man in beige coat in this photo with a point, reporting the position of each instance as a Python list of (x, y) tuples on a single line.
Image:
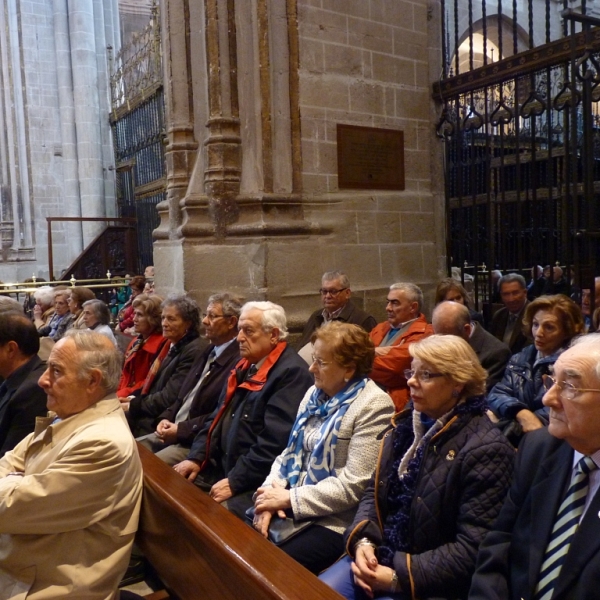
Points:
[(70, 492)]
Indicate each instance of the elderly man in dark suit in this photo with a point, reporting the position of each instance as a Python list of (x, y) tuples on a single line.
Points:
[(337, 306), (21, 398), (452, 318), (546, 541), (232, 454), (200, 391), (507, 323)]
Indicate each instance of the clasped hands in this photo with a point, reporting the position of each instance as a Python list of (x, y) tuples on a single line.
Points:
[(369, 575), (270, 500)]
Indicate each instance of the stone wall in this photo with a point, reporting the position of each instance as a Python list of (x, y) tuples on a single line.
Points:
[(253, 200)]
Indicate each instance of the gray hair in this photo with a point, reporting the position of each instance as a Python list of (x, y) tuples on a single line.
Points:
[(512, 278), (413, 292), (96, 351), (273, 316), (231, 305), (591, 342), (44, 295), (187, 309), (99, 309), (337, 276)]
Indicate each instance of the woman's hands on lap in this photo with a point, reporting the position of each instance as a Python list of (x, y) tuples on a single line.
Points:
[(369, 575), (270, 500)]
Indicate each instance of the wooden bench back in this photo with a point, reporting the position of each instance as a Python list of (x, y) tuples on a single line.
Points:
[(200, 550)]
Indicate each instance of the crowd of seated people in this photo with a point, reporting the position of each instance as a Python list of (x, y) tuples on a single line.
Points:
[(387, 444)]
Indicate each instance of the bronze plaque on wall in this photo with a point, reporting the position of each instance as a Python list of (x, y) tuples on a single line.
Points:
[(370, 158)]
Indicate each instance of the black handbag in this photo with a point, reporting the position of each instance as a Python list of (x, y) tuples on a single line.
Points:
[(281, 530)]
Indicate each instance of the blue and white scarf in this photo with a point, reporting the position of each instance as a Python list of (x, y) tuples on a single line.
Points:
[(320, 464)]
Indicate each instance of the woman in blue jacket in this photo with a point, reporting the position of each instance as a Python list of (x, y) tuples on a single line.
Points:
[(516, 401)]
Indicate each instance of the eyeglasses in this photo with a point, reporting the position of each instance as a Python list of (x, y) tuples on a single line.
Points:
[(332, 293), (211, 317), (421, 375), (566, 390), (317, 361)]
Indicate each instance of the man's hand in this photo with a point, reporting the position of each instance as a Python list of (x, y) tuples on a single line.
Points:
[(188, 468), (221, 491), (529, 422), (167, 432)]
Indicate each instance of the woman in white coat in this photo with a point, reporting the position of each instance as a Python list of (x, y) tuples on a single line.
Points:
[(331, 452)]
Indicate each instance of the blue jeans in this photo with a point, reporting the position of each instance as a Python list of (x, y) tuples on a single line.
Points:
[(340, 578)]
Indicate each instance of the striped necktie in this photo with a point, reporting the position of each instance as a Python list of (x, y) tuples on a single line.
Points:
[(565, 526)]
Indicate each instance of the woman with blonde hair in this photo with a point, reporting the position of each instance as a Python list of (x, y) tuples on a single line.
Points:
[(441, 479)]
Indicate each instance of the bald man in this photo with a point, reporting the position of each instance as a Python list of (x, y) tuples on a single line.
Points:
[(452, 318)]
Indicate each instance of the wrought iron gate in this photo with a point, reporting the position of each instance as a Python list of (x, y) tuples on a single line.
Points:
[(137, 121), (522, 139)]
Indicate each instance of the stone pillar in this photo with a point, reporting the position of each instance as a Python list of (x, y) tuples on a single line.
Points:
[(87, 113), (68, 149), (261, 212)]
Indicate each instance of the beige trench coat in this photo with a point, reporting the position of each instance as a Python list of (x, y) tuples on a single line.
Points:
[(67, 523)]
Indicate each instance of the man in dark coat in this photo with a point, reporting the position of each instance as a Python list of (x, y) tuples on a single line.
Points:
[(515, 558), (337, 306), (22, 400), (452, 318), (201, 389), (233, 453), (507, 323)]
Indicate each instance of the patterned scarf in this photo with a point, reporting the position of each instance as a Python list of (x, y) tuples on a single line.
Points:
[(322, 457), (410, 443)]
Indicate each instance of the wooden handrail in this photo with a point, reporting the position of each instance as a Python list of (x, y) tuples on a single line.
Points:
[(200, 550)]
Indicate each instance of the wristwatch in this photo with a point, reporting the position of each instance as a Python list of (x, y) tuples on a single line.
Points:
[(394, 583)]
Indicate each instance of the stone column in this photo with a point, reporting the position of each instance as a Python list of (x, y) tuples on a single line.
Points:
[(87, 113), (70, 200), (181, 149)]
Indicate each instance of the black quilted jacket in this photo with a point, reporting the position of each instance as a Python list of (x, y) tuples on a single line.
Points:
[(462, 482)]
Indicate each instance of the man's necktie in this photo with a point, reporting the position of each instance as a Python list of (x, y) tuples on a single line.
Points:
[(565, 526)]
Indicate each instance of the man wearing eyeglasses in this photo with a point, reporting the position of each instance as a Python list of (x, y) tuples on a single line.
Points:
[(337, 306), (546, 541), (178, 425), (405, 324)]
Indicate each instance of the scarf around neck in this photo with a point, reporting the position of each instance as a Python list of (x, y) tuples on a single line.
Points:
[(321, 461)]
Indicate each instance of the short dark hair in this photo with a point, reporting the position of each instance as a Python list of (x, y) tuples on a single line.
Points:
[(446, 285), (186, 307), (512, 278), (81, 295), (18, 328), (138, 282)]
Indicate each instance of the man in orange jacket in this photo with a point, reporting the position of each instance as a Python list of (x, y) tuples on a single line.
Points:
[(405, 324)]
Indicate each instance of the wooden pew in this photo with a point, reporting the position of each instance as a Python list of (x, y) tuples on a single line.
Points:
[(200, 550)]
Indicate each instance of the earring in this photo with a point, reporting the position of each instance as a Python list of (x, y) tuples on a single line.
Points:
[(346, 379), (455, 393)]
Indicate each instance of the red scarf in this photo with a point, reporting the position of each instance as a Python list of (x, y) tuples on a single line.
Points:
[(254, 384), (155, 367)]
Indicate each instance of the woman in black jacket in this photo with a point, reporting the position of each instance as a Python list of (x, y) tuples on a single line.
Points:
[(443, 473)]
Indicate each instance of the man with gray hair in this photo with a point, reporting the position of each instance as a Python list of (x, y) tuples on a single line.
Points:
[(233, 452), (178, 425), (546, 541), (507, 323), (405, 324), (453, 318), (70, 492), (337, 306)]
